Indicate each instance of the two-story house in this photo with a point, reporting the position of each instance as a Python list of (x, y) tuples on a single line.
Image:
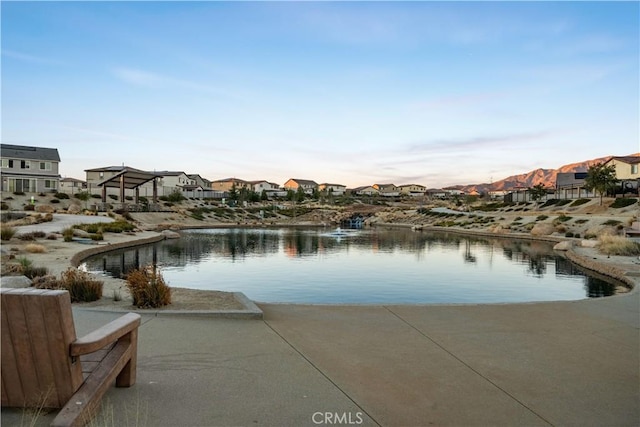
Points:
[(308, 186), (228, 183), (333, 189), (365, 190), (72, 185), (627, 172), (29, 169), (270, 188), (412, 190), (387, 190)]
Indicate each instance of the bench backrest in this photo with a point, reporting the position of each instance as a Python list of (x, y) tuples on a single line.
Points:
[(37, 329)]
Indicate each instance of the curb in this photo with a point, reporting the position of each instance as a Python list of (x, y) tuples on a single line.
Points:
[(250, 311)]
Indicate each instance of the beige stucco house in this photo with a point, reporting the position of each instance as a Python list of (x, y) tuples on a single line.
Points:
[(334, 189), (308, 186)]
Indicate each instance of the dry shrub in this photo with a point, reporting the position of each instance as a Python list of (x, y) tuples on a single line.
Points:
[(46, 282), (7, 232), (617, 245), (148, 288), (35, 248), (82, 286)]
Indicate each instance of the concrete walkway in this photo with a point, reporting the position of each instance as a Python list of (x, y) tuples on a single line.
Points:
[(62, 221), (565, 363)]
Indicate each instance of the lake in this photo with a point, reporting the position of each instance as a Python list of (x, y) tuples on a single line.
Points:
[(370, 266)]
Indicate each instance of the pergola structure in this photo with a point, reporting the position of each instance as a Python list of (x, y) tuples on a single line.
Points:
[(129, 179)]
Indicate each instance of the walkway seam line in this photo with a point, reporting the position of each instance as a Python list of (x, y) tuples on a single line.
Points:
[(467, 365), (321, 373)]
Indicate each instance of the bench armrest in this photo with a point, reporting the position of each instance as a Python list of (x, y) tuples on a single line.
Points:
[(105, 335)]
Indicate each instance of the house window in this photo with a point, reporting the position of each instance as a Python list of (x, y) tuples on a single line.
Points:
[(45, 166), (6, 163), (25, 164), (49, 184), (634, 169), (101, 175)]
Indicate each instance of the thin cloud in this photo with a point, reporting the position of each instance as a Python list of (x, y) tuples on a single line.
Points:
[(154, 80), (477, 143), (30, 58)]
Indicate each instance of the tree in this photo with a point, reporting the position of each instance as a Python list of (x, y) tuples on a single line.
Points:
[(537, 192), (233, 193), (600, 178), (300, 195), (263, 195)]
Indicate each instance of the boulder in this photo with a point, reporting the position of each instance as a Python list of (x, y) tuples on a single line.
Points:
[(15, 282), (543, 229), (74, 209), (168, 234), (45, 209), (81, 233), (563, 246), (588, 243)]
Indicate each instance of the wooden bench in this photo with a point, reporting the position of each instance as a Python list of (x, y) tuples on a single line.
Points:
[(45, 366)]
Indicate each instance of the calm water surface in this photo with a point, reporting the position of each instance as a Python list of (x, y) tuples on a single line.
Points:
[(364, 266)]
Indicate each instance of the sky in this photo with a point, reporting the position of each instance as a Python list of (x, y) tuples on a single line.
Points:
[(353, 93)]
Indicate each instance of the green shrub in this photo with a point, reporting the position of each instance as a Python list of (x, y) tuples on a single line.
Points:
[(579, 202), (4, 206), (549, 202), (563, 218), (623, 202), (54, 201), (568, 234), (175, 196), (107, 227), (82, 286), (148, 288), (67, 234), (7, 232), (61, 196), (29, 208), (18, 193), (581, 221), (82, 195), (612, 222), (541, 217)]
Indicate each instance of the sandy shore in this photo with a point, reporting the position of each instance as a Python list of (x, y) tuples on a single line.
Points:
[(60, 255)]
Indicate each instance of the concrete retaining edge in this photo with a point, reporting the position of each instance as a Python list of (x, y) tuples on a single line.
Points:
[(77, 259)]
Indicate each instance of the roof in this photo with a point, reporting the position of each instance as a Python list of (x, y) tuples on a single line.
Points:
[(333, 185), (113, 169), (72, 180), (30, 153), (632, 160), (229, 180), (304, 181), (132, 178), (170, 173)]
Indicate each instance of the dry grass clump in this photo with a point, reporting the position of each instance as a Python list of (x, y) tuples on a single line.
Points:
[(617, 245), (82, 286), (148, 288), (7, 232), (35, 248)]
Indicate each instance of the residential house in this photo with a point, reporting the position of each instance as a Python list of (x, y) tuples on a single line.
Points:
[(72, 185), (437, 193), (270, 188), (169, 181), (96, 175), (570, 185), (627, 172), (228, 183), (497, 194), (366, 190), (414, 190), (333, 189), (200, 181), (387, 190), (29, 169), (308, 186), (454, 192)]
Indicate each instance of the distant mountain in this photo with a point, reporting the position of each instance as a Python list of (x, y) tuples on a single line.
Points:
[(537, 176)]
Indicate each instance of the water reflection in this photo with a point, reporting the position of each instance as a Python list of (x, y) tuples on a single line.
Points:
[(377, 265)]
